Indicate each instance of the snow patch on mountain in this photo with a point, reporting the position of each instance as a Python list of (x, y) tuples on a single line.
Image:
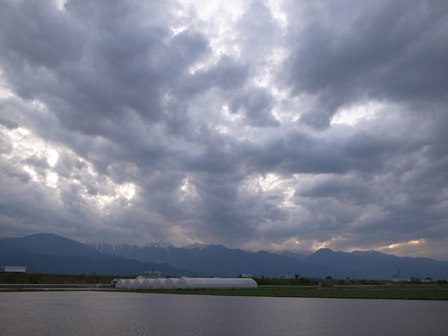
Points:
[(163, 244), (195, 246), (305, 253), (440, 257), (110, 248)]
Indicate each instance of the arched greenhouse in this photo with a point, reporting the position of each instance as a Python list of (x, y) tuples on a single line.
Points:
[(136, 284), (157, 284), (170, 283), (127, 284), (195, 283), (119, 283), (146, 284), (184, 283)]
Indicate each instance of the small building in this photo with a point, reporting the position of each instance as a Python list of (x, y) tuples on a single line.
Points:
[(152, 274), (13, 269)]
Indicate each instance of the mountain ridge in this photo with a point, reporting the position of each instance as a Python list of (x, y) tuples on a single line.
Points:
[(11, 254), (214, 260)]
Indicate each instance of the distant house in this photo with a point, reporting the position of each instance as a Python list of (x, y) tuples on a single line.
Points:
[(247, 275), (152, 275), (13, 269)]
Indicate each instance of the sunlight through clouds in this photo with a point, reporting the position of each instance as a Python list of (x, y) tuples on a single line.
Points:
[(52, 157), (353, 114), (31, 153), (128, 190), (268, 182), (412, 242)]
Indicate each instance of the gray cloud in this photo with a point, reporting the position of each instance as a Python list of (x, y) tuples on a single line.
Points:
[(133, 122), (384, 50)]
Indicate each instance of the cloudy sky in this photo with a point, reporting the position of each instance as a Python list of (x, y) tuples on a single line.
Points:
[(252, 124)]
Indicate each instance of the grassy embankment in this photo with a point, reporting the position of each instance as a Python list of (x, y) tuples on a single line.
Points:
[(29, 279), (361, 289), (427, 293)]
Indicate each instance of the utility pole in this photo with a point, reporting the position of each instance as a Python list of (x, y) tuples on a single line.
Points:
[(399, 275)]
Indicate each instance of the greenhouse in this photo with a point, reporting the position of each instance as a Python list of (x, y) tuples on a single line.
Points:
[(152, 281), (196, 283), (136, 284), (118, 283), (146, 284), (122, 283), (157, 283), (170, 283), (184, 283)]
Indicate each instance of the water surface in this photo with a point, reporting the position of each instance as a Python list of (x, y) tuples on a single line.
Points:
[(108, 313)]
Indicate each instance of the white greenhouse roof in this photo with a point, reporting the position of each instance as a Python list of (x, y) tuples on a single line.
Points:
[(216, 283), (185, 283)]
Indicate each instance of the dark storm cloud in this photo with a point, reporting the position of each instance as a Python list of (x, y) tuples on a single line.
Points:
[(256, 106), (8, 123), (168, 125), (348, 190), (405, 197), (384, 50), (297, 152), (117, 64), (31, 30), (227, 74)]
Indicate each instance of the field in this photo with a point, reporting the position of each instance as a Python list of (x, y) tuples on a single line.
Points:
[(359, 290)]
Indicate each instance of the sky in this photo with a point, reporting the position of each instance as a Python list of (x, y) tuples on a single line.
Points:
[(260, 125)]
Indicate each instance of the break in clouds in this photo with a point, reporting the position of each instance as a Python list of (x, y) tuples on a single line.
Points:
[(253, 124)]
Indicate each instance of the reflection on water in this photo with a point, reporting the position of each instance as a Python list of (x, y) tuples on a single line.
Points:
[(106, 313)]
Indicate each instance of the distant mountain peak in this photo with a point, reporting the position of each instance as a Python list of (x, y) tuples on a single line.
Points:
[(367, 253), (199, 246), (52, 253), (298, 251), (161, 244), (440, 257), (326, 250)]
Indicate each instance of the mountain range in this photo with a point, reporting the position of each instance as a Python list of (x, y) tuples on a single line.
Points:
[(49, 253)]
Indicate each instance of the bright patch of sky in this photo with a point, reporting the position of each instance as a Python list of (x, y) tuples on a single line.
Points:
[(29, 152), (353, 114)]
